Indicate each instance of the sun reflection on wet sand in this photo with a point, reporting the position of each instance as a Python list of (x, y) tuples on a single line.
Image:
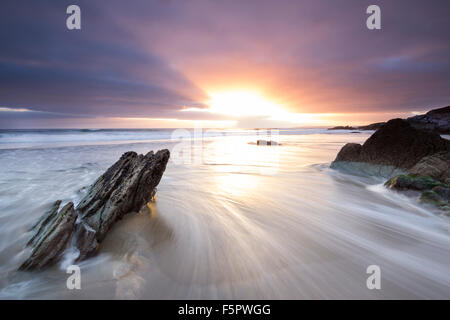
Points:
[(246, 221)]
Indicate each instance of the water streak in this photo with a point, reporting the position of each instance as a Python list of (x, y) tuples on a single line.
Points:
[(244, 222)]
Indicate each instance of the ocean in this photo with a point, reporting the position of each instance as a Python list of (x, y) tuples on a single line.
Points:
[(231, 219)]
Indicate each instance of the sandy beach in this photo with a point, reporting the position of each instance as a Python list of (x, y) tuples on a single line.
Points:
[(275, 222)]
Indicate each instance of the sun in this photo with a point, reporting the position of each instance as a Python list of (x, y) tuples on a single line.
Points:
[(242, 104), (247, 104)]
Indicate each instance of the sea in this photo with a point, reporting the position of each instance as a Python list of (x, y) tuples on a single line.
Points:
[(231, 219)]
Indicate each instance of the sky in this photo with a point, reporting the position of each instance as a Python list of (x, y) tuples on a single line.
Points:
[(220, 63)]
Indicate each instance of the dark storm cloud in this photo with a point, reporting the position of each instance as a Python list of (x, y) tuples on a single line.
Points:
[(98, 71), (152, 58)]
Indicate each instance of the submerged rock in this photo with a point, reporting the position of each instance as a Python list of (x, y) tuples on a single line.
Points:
[(266, 143), (125, 187), (51, 236), (430, 175), (367, 169), (438, 196), (411, 182), (396, 144)]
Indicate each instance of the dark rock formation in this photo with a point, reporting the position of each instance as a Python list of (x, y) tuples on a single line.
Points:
[(125, 187), (413, 147), (85, 241), (430, 175), (437, 120), (436, 166), (349, 152), (396, 144), (438, 196), (411, 182), (373, 126), (343, 128), (266, 143), (51, 236)]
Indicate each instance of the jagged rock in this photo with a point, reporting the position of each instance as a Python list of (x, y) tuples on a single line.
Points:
[(43, 223), (85, 241), (396, 144), (51, 236), (436, 166), (125, 187), (437, 120)]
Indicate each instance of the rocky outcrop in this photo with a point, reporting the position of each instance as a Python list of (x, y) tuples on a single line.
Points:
[(373, 126), (421, 156), (350, 152), (437, 120), (51, 236), (85, 241), (125, 187), (432, 190), (343, 128), (412, 182), (395, 144), (431, 175), (436, 166)]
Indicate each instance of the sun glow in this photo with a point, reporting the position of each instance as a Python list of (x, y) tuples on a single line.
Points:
[(258, 109), (242, 104), (249, 104)]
